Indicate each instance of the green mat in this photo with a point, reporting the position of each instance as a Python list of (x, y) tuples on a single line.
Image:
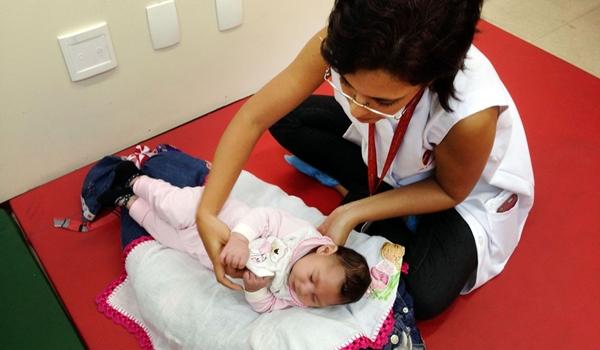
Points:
[(31, 317)]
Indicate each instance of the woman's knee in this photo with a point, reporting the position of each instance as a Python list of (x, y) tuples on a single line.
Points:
[(316, 111), (288, 125), (428, 303), (443, 259)]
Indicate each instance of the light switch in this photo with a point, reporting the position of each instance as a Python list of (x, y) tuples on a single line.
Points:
[(163, 24), (229, 13), (88, 52)]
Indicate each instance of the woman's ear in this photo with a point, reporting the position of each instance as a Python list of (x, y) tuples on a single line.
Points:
[(327, 249)]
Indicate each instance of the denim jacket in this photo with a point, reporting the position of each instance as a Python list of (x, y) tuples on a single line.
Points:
[(405, 335)]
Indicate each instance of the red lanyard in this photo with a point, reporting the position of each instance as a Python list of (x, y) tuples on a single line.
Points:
[(374, 180)]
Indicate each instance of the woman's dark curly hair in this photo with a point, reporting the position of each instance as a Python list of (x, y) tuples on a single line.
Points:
[(422, 42)]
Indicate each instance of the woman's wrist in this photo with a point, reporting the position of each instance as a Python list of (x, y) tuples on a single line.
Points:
[(346, 220), (203, 217), (350, 215), (209, 225), (201, 214)]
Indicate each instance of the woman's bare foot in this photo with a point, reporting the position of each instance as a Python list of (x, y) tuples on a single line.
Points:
[(341, 190)]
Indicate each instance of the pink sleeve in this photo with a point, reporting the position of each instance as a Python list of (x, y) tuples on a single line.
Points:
[(265, 222), (263, 301)]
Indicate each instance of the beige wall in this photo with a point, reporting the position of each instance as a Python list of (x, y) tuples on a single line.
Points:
[(50, 126)]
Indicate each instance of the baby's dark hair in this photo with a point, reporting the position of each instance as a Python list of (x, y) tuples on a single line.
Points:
[(422, 42), (358, 277)]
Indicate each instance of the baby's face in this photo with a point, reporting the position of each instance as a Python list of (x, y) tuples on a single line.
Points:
[(317, 279)]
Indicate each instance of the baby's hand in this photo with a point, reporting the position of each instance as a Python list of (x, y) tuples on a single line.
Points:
[(235, 253), (252, 283), (233, 272)]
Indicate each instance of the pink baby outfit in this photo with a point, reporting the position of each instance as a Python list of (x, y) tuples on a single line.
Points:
[(277, 239)]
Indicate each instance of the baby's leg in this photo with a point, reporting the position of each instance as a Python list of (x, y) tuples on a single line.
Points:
[(166, 234), (176, 206)]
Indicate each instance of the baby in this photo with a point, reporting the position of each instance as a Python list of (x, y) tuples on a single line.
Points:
[(287, 261)]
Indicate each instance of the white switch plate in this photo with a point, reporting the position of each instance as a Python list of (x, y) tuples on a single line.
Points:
[(163, 24), (229, 13), (88, 52)]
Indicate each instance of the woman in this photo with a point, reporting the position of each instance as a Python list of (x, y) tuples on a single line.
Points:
[(420, 124)]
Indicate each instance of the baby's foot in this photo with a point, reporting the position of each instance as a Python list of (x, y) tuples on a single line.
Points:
[(120, 190), (125, 172), (116, 196)]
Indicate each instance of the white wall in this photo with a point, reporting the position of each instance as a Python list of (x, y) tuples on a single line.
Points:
[(50, 126)]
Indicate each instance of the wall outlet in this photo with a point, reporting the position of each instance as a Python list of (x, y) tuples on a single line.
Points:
[(88, 52), (163, 24), (229, 13)]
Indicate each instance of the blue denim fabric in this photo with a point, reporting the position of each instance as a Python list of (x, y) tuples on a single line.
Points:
[(175, 167), (96, 182), (130, 230), (406, 335)]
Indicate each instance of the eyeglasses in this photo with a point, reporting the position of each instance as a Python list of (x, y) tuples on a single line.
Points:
[(328, 78)]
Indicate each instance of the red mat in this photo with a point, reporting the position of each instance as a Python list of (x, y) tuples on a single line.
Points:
[(547, 297)]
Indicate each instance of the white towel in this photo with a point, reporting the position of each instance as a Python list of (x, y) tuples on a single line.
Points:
[(173, 302)]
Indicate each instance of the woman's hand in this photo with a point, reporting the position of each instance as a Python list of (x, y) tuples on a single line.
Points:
[(338, 224), (215, 234), (252, 283)]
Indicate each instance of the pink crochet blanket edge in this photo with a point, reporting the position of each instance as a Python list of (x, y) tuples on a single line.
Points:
[(134, 327)]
